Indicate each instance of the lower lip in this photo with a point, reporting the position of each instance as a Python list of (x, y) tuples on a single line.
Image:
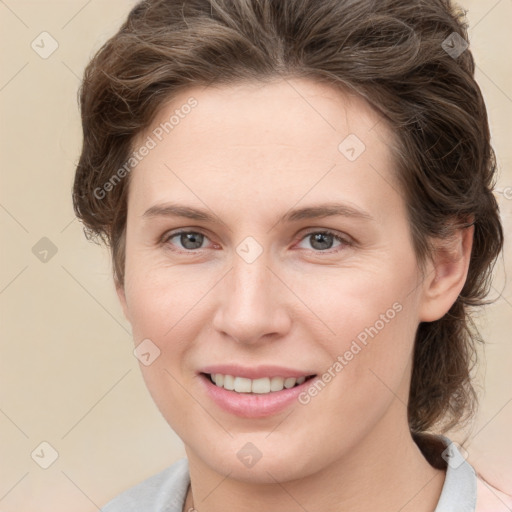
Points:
[(253, 405)]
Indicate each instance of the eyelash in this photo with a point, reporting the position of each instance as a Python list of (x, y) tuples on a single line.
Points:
[(344, 241)]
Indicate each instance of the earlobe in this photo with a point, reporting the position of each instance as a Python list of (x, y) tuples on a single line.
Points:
[(446, 274), (122, 299)]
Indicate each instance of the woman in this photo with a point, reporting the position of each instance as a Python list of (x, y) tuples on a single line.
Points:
[(298, 199)]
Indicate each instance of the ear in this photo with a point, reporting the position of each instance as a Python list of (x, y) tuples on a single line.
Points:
[(122, 299), (446, 274)]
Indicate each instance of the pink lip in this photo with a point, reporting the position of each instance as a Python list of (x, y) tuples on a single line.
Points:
[(256, 372), (252, 405)]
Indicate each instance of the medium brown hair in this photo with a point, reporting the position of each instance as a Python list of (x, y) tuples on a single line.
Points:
[(390, 52)]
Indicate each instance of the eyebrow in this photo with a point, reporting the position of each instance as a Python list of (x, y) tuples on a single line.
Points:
[(310, 212)]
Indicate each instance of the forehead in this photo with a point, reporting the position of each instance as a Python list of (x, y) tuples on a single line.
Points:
[(277, 106), (256, 139)]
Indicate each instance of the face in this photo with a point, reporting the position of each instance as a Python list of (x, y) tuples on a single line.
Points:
[(233, 269)]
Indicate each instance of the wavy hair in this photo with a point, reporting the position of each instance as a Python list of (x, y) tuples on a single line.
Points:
[(401, 57)]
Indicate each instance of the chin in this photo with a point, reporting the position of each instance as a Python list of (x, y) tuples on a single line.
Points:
[(272, 461)]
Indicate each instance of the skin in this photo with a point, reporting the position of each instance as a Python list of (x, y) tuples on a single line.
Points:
[(249, 153)]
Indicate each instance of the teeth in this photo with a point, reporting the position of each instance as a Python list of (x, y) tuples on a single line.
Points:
[(289, 382), (276, 383), (259, 386), (229, 382), (242, 385)]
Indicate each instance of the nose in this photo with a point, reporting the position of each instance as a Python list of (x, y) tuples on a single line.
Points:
[(252, 303)]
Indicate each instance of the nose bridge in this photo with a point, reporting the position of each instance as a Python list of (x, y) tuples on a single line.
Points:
[(251, 286), (250, 276), (248, 308)]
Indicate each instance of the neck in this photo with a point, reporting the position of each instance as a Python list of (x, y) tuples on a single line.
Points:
[(386, 471)]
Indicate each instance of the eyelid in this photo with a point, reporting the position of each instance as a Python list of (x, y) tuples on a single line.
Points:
[(346, 238)]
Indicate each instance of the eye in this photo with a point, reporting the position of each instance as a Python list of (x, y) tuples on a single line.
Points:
[(190, 240), (321, 241)]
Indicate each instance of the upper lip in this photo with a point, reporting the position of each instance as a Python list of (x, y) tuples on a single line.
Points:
[(255, 372)]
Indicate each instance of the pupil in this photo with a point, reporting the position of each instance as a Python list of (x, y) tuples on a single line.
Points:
[(190, 240), (317, 237)]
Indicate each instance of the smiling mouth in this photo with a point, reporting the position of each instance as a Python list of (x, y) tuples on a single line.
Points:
[(260, 386)]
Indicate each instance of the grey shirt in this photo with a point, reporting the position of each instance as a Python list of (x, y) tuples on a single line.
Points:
[(166, 491)]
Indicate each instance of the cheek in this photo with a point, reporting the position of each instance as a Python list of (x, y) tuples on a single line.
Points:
[(368, 366), (372, 319), (162, 303), (164, 308), (360, 303)]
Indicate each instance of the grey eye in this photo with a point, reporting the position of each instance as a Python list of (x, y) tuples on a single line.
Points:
[(190, 240), (323, 240)]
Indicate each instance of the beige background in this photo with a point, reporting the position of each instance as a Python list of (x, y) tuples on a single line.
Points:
[(67, 370)]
